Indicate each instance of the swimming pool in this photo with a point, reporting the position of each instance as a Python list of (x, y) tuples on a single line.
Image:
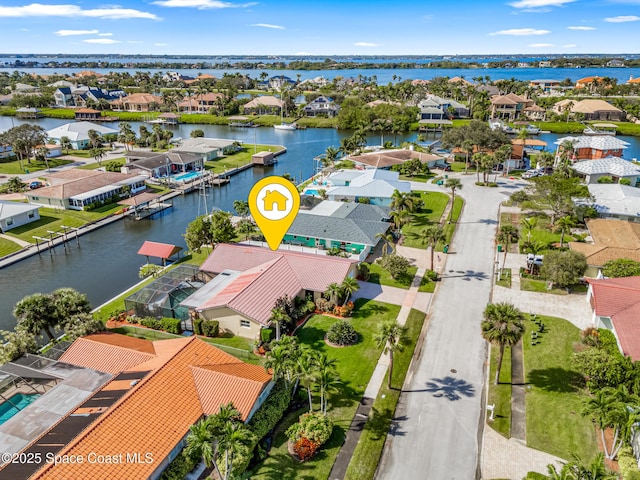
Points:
[(309, 191), (20, 400), (185, 177)]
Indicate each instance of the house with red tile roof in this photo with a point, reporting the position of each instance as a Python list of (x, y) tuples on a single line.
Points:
[(158, 390), (616, 307), (248, 280)]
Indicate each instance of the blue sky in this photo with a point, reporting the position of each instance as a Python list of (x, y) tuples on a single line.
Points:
[(330, 27)]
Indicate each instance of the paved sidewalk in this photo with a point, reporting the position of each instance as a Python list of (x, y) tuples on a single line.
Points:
[(20, 242)]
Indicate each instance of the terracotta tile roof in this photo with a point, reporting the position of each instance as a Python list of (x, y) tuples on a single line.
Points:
[(104, 357), (619, 299), (160, 250), (124, 341), (156, 413), (613, 239)]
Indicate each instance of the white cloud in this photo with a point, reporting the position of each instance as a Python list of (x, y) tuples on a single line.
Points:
[(67, 33), (539, 3), (101, 41), (39, 10), (542, 45), (581, 28), (622, 19), (521, 32), (200, 4), (268, 25), (25, 30), (569, 45), (107, 34), (366, 44)]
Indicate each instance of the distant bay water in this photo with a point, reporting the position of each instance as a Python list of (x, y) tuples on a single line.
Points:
[(383, 75)]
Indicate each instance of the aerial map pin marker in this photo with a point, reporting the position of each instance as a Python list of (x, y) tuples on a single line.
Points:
[(274, 203)]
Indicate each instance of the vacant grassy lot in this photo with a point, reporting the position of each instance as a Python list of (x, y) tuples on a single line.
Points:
[(435, 203), (238, 159), (554, 397), (379, 275), (355, 365), (12, 166), (53, 219)]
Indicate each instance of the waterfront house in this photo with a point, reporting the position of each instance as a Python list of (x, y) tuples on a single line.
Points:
[(153, 393), (587, 147), (88, 114), (277, 82), (614, 167), (83, 95), (386, 159), (449, 106), (321, 106), (248, 280), (158, 165), (15, 214), (544, 84), (63, 97), (137, 102), (78, 133), (354, 228), (207, 148), (612, 239), (591, 109), (375, 185), (590, 83), (200, 103), (509, 106), (616, 306), (76, 189), (264, 105)]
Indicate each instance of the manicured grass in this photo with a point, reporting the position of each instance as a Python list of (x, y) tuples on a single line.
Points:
[(504, 280), (354, 365), (435, 203), (427, 285), (379, 275), (450, 228), (238, 159), (539, 286), (541, 234), (7, 247), (96, 165), (52, 219), (554, 396), (500, 395), (367, 454), (418, 178), (13, 167)]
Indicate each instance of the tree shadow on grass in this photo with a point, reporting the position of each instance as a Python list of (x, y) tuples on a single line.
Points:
[(312, 336), (556, 380)]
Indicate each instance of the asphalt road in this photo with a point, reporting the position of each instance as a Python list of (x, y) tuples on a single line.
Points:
[(438, 425)]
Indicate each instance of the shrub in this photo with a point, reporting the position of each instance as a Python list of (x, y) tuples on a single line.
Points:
[(210, 328), (315, 427), (396, 265), (171, 325), (363, 271), (197, 326), (624, 181), (151, 322), (324, 305), (179, 467), (342, 333), (590, 336), (605, 179), (305, 449), (266, 335), (431, 275), (608, 341), (271, 411), (628, 464)]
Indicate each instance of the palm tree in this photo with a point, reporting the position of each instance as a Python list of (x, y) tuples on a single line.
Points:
[(279, 317), (402, 201), (391, 338), (333, 292), (241, 207), (331, 154), (306, 370), (565, 223), (400, 218), (454, 184), (200, 443), (327, 378), (65, 144), (246, 227), (388, 240), (507, 235), (430, 236), (529, 223), (233, 439), (594, 470), (502, 326), (349, 286), (95, 139)]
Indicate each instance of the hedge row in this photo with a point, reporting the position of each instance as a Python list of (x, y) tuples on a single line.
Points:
[(169, 325), (208, 328)]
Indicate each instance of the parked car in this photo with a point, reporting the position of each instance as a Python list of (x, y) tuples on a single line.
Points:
[(34, 185), (530, 174)]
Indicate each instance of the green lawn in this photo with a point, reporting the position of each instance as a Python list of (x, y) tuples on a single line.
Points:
[(554, 396), (427, 285), (379, 275), (355, 365), (52, 219), (367, 454), (238, 159), (418, 178), (96, 165), (450, 228), (539, 286), (7, 247), (12, 166), (542, 233), (500, 395), (435, 204), (504, 280)]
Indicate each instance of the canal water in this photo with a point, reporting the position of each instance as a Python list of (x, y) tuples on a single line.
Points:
[(105, 263)]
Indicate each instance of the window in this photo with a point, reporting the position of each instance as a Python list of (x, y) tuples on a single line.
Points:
[(245, 323), (9, 221), (31, 214)]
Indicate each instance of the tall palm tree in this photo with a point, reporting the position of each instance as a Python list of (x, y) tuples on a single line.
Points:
[(233, 439), (326, 378), (388, 240), (331, 154), (279, 317), (502, 326), (200, 443), (430, 236), (453, 184), (507, 235), (529, 223), (333, 292), (400, 218), (564, 223), (65, 144), (391, 338), (307, 373), (241, 207), (403, 201), (349, 286)]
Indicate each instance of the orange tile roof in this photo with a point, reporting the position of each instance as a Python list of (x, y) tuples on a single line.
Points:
[(160, 250), (103, 357), (612, 239), (190, 377)]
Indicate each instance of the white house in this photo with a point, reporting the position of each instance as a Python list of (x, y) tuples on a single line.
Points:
[(614, 167), (78, 133), (208, 148), (374, 184), (616, 201), (14, 214)]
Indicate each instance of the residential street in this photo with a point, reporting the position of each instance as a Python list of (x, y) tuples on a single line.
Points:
[(437, 429)]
